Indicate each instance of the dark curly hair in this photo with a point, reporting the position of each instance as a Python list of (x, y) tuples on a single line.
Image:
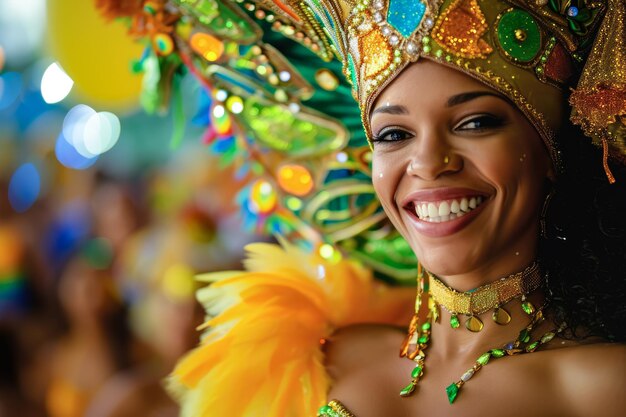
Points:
[(584, 247)]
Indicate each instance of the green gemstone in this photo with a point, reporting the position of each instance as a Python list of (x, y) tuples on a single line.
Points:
[(528, 307), (423, 339), (547, 337), (484, 358), (426, 326), (524, 336), (408, 390), (417, 371), (454, 321), (532, 346), (452, 390), (325, 410), (497, 353)]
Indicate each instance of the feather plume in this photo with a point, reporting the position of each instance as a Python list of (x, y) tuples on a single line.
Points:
[(261, 353)]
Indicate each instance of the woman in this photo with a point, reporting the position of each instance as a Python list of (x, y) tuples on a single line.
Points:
[(460, 140), (473, 160)]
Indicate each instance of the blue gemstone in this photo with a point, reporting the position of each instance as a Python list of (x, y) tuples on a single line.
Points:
[(572, 11), (405, 15), (509, 346)]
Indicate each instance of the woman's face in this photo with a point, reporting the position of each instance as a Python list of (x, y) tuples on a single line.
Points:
[(459, 170)]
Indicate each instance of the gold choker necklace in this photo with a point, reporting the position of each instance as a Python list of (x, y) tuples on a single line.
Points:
[(487, 297)]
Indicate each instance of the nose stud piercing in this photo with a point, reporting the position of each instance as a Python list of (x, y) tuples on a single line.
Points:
[(446, 159)]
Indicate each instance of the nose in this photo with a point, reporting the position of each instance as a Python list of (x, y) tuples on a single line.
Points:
[(431, 156)]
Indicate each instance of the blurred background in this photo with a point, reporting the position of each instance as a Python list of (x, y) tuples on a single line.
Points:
[(106, 214)]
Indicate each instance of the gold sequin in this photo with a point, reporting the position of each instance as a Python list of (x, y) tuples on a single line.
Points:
[(376, 53), (459, 30)]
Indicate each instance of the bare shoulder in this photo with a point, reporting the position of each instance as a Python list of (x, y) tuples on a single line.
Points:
[(592, 378), (349, 348)]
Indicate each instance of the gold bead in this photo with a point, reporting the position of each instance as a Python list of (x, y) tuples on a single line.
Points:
[(520, 35)]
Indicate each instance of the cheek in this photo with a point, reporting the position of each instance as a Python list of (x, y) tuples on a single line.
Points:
[(384, 180)]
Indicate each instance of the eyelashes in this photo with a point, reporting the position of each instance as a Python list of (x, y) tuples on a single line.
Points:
[(392, 134), (480, 123), (473, 125)]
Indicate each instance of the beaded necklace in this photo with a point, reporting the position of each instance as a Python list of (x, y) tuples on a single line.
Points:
[(419, 336)]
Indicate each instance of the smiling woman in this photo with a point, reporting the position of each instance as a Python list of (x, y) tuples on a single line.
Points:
[(508, 205)]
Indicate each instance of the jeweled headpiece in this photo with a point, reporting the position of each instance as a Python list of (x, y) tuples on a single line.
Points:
[(531, 51)]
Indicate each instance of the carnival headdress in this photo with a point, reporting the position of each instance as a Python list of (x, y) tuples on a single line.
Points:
[(278, 107)]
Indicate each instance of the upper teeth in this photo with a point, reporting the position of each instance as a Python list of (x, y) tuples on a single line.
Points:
[(446, 210)]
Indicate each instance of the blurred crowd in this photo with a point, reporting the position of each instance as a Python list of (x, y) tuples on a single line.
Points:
[(96, 285)]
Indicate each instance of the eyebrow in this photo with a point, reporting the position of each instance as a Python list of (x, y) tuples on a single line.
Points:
[(452, 101), (395, 109), (465, 97)]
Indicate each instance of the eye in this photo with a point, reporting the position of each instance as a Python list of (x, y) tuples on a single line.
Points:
[(479, 123), (392, 134)]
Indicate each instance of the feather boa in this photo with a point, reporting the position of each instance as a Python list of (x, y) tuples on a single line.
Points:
[(261, 353)]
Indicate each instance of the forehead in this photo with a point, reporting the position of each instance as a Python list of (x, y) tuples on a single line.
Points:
[(429, 82)]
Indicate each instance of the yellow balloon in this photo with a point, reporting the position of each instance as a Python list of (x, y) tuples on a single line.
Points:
[(97, 54)]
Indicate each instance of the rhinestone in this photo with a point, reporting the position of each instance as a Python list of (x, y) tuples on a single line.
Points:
[(428, 22), (378, 17), (386, 31), (378, 5), (572, 11), (393, 40), (467, 375)]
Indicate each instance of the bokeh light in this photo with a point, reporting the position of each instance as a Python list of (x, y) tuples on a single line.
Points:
[(295, 179), (89, 132), (24, 187), (263, 197), (207, 46), (55, 84), (69, 156), (10, 89)]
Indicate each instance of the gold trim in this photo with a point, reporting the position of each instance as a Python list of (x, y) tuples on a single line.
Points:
[(486, 297)]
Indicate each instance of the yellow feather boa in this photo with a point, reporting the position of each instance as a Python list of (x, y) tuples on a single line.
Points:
[(261, 354)]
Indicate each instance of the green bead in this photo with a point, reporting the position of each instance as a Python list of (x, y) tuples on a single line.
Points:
[(452, 390), (528, 307), (325, 410), (423, 339), (547, 337), (532, 346), (417, 371), (408, 390), (426, 326), (454, 321), (497, 353), (524, 336), (484, 358)]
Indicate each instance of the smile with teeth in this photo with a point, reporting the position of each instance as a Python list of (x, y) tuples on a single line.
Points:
[(443, 211)]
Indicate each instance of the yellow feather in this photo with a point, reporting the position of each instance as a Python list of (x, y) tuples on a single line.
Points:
[(260, 354)]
